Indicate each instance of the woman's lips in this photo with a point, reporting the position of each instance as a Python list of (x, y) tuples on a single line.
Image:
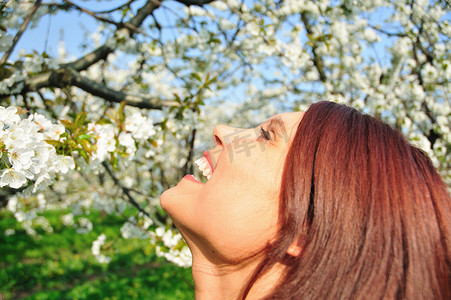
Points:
[(208, 157), (205, 166), (192, 178)]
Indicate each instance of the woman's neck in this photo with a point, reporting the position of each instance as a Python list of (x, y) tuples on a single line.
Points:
[(226, 282)]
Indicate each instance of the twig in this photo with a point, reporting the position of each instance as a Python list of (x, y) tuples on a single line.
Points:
[(114, 9), (48, 33), (188, 167), (194, 2), (21, 31), (103, 51), (398, 34), (317, 59), (94, 15), (126, 191)]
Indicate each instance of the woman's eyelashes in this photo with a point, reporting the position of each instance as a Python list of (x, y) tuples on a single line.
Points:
[(265, 134)]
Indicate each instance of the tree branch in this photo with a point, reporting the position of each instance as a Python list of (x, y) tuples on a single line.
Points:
[(89, 59), (20, 32), (432, 136), (398, 34), (126, 191), (103, 19), (117, 8), (103, 51), (194, 2), (188, 167), (317, 60), (64, 77)]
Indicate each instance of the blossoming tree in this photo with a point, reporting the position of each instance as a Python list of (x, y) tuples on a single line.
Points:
[(124, 120)]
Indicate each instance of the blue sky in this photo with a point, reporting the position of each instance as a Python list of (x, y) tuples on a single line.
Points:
[(71, 27)]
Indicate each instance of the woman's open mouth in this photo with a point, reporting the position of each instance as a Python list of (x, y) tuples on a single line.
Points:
[(205, 166)]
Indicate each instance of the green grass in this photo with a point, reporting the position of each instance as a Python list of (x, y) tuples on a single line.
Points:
[(60, 265)]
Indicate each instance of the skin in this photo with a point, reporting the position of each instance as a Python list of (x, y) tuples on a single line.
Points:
[(227, 220)]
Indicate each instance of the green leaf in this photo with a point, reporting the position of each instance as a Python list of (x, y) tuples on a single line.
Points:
[(80, 120), (86, 146), (121, 111), (84, 154), (104, 121), (177, 98), (54, 143), (69, 125), (213, 79), (196, 76)]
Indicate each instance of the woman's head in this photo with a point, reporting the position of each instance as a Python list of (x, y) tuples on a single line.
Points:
[(235, 213), (365, 212)]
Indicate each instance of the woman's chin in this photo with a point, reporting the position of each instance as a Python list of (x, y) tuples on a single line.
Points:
[(184, 192)]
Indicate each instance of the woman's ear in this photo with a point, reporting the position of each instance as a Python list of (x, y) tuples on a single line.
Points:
[(295, 249)]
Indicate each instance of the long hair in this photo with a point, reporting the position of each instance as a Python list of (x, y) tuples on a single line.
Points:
[(369, 211)]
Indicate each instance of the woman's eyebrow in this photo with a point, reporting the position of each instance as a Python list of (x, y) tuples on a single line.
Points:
[(276, 124)]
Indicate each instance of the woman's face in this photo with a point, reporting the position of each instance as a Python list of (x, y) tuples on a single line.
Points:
[(234, 214)]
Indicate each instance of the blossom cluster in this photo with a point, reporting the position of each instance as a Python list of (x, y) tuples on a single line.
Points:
[(168, 244), (137, 128), (174, 248), (96, 248), (25, 154), (28, 216)]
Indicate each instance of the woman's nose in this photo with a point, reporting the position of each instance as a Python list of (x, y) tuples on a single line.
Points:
[(224, 135)]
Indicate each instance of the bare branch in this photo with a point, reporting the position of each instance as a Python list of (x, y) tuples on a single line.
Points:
[(21, 31), (194, 2), (89, 59), (398, 34), (144, 11), (103, 19), (117, 8), (317, 59), (126, 191), (188, 167)]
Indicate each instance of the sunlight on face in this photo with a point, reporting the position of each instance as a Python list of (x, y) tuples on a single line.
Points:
[(234, 214)]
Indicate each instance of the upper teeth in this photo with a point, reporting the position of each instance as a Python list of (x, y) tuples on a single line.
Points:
[(204, 166)]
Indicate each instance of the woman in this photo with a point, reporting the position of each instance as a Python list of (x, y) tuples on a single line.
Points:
[(326, 204)]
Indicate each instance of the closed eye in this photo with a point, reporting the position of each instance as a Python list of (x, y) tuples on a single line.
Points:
[(265, 134)]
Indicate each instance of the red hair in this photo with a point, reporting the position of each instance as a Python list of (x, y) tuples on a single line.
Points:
[(369, 211)]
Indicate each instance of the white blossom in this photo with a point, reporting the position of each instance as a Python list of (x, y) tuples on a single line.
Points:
[(129, 231), (97, 247), (63, 164), (84, 225), (13, 178), (9, 115), (29, 156), (10, 231), (68, 219)]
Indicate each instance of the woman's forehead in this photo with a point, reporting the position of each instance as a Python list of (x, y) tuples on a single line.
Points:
[(290, 120)]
